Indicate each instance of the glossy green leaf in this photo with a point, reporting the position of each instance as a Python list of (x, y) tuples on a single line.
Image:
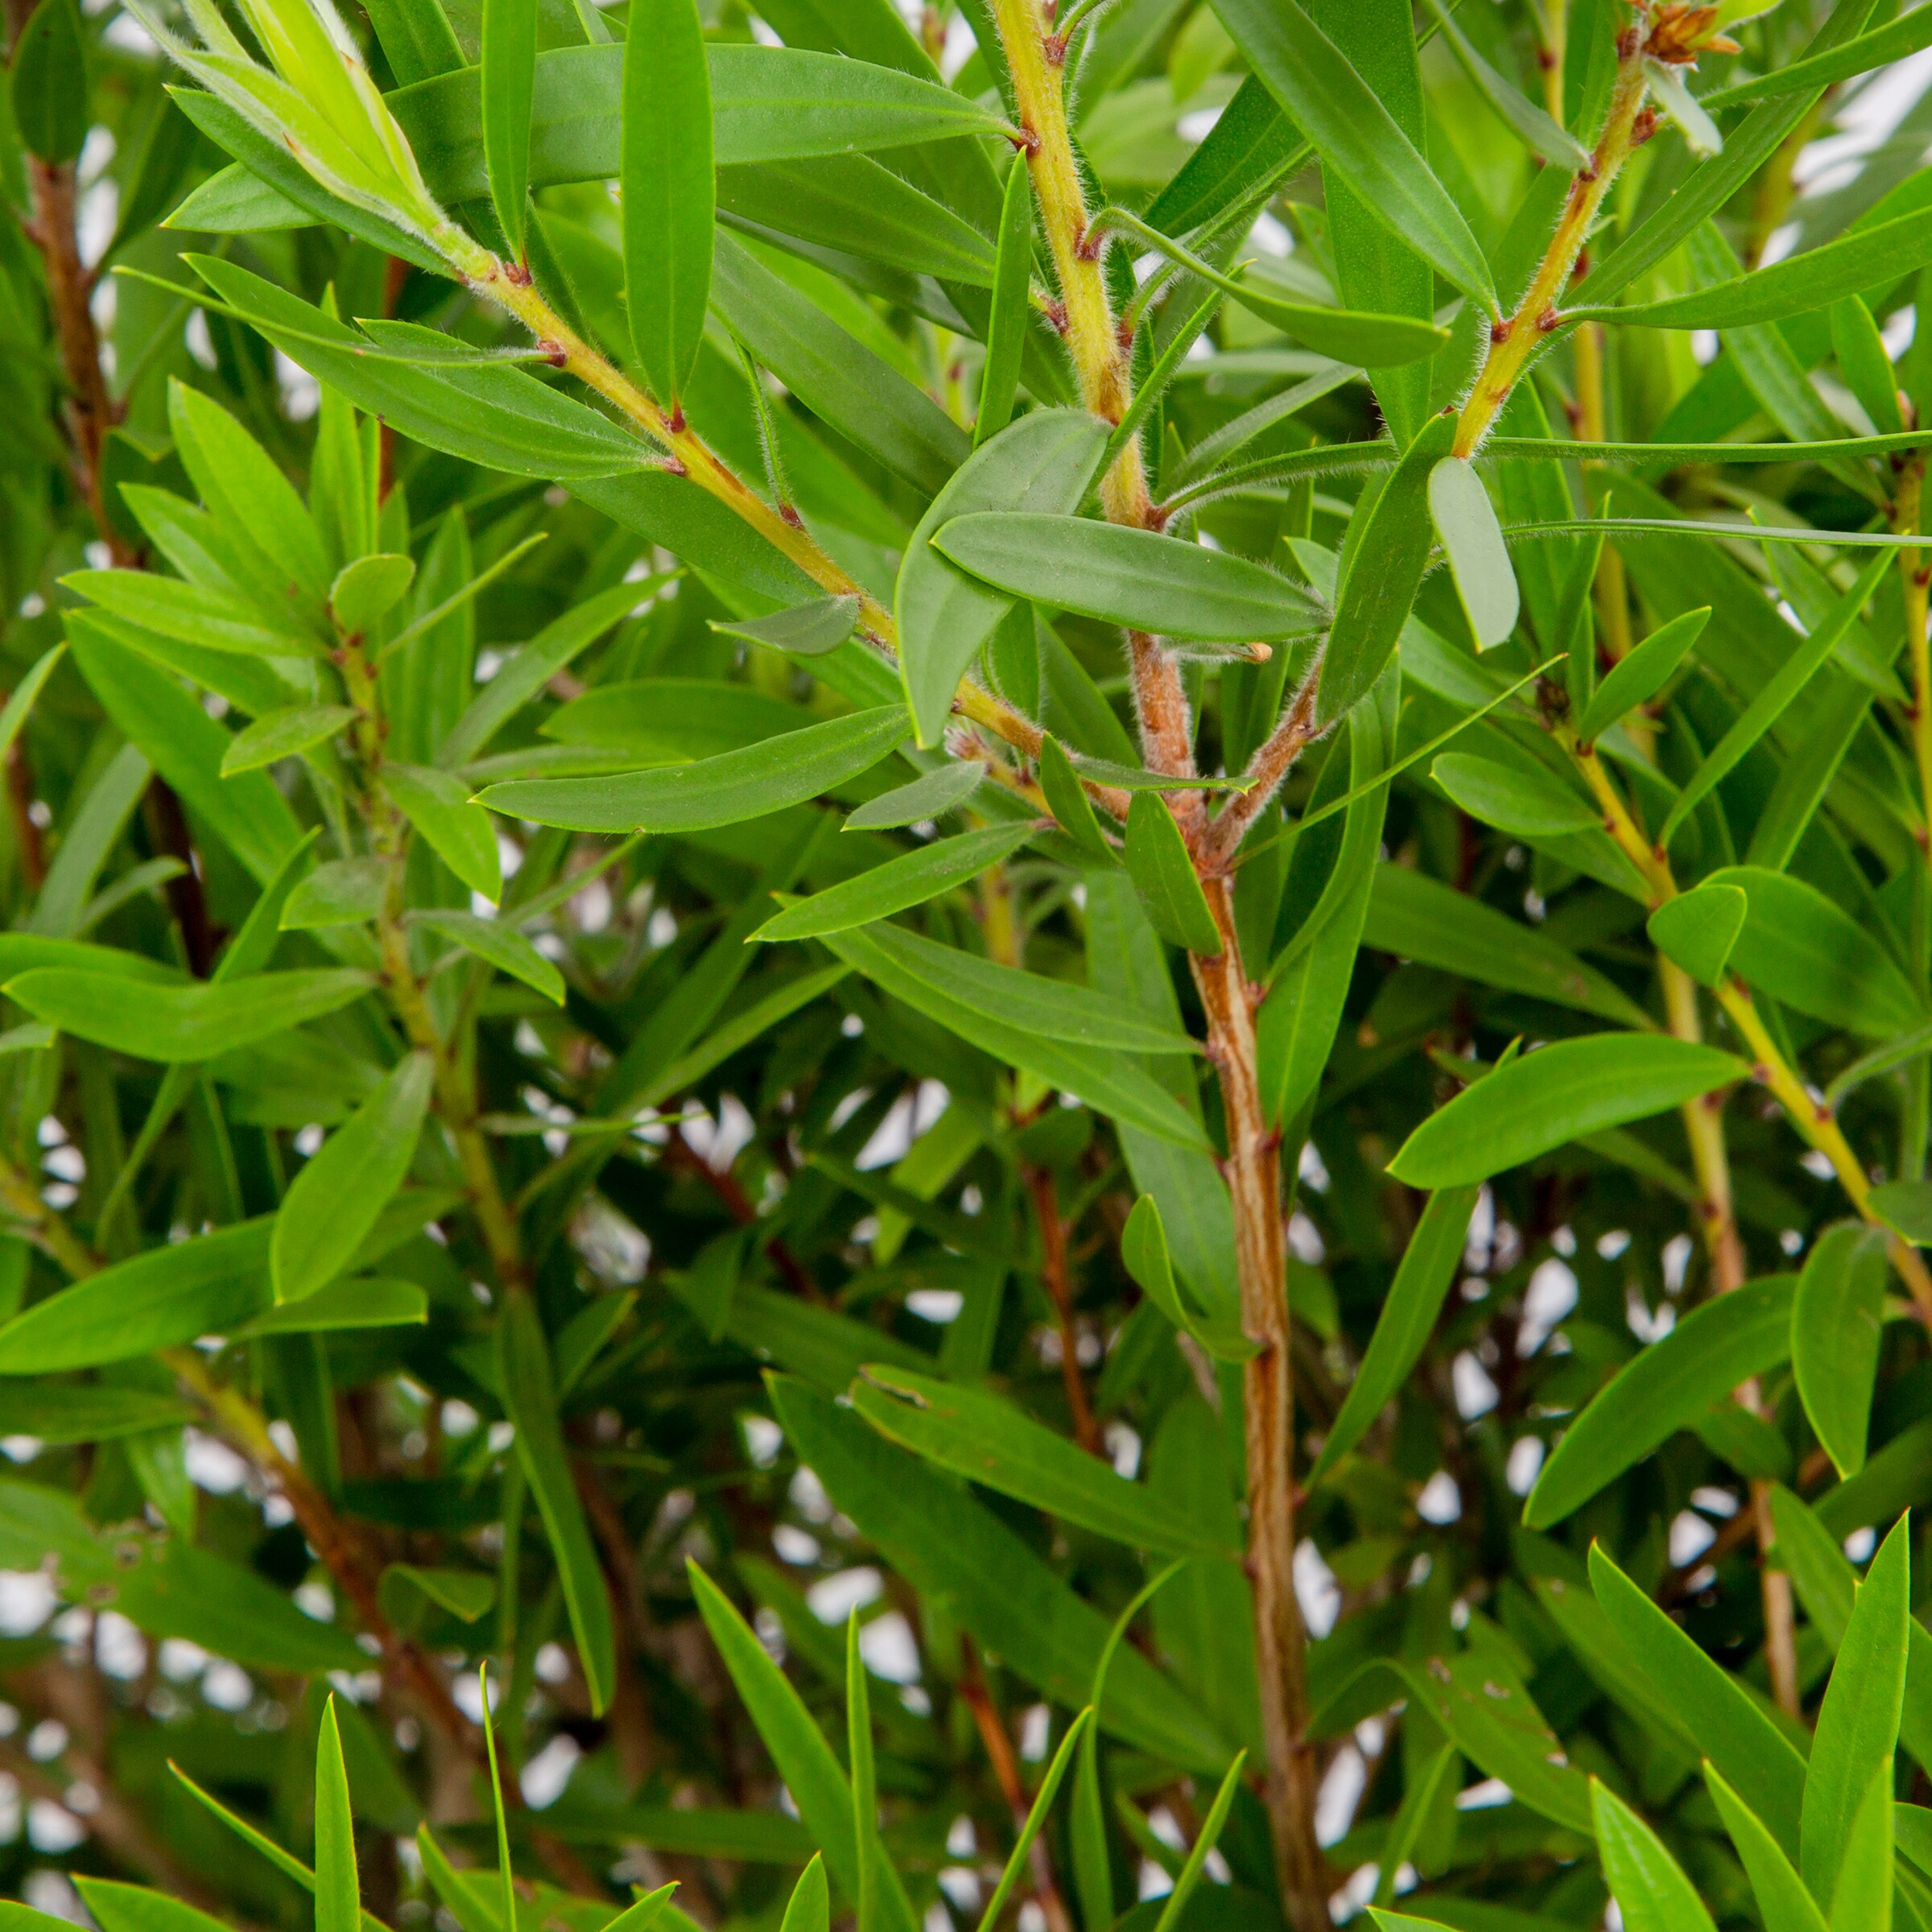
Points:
[(335, 1199), (1639, 677), (1406, 1324), (1710, 1352), (1698, 930), (500, 946), (726, 790), (1836, 1320), (1012, 313), (1133, 577), (338, 1893), (509, 78), (1785, 1905), (1472, 539), (523, 1373), (1381, 571), (215, 620), (932, 795), (363, 1301), (1162, 871), (1041, 463), (1648, 1884), (369, 588), (809, 631), (1527, 801), (1862, 1899), (284, 734), (809, 1908), (457, 830), (909, 880)]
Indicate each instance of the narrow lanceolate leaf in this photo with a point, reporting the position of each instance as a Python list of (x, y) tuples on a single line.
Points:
[(509, 82), (501, 946), (1878, 49), (530, 1399), (809, 630), (983, 1437), (1478, 560), (1555, 1095), (1785, 1905), (1526, 800), (669, 190), (726, 790), (1144, 1253), (1648, 1884), (337, 1197), (1079, 1740), (1012, 312), (1163, 874), (1836, 1320), (909, 880), (1858, 1722), (1542, 136), (1865, 258), (171, 1023), (1668, 1387), (284, 734), (338, 1894), (943, 789), (1407, 1320), (1700, 929), (216, 620), (1381, 571), (1356, 136), (1866, 363), (458, 830), (1042, 463), (1770, 704), (1639, 677), (1135, 577)]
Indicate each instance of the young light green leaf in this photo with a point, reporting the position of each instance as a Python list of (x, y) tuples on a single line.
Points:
[(501, 946), (1162, 871), (1011, 314), (1639, 677), (726, 790), (1786, 1905), (338, 1892), (1041, 463), (1667, 1387), (369, 588), (509, 79), (909, 880), (1479, 560), (339, 892), (1770, 704), (810, 1909), (1648, 1884), (932, 795), (1354, 134), (1406, 1321), (669, 189), (456, 829), (1698, 930), (20, 702), (530, 1399), (1837, 1318), (1138, 578), (363, 1301), (809, 631), (335, 1199), (1858, 1722), (1555, 1095), (283, 734), (1525, 800)]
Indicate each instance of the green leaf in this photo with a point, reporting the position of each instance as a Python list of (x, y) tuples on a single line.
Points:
[(1382, 570), (1542, 136), (1904, 1206), (369, 588), (1525, 800), (932, 795), (1804, 949), (508, 77), (1144, 1255), (1862, 1899), (1041, 464), (335, 1199), (1355, 135), (1162, 871), (1837, 1318), (523, 1374), (338, 1894), (1866, 363), (1011, 316), (865, 1779), (47, 84), (810, 1907), (726, 790), (20, 701), (1770, 704), (1118, 575), (339, 892), (809, 631), (1667, 1387), (983, 1437), (1785, 1905), (1472, 539), (1698, 930), (458, 829), (1858, 1721), (1639, 677), (668, 189), (1867, 257), (501, 946), (1733, 1732), (910, 879), (358, 1301), (215, 620), (284, 734), (1018, 1865), (1648, 1884), (65, 1412), (1406, 1324), (1067, 799), (1418, 917), (175, 1023)]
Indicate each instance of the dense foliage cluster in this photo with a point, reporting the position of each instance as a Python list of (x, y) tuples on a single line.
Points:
[(965, 967)]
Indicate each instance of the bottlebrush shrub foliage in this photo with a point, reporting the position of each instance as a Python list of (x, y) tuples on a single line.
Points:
[(1099, 839)]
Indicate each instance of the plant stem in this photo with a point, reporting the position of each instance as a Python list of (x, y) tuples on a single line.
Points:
[(1511, 342), (1915, 575)]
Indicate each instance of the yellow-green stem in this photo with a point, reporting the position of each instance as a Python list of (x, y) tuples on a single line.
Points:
[(1915, 574)]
